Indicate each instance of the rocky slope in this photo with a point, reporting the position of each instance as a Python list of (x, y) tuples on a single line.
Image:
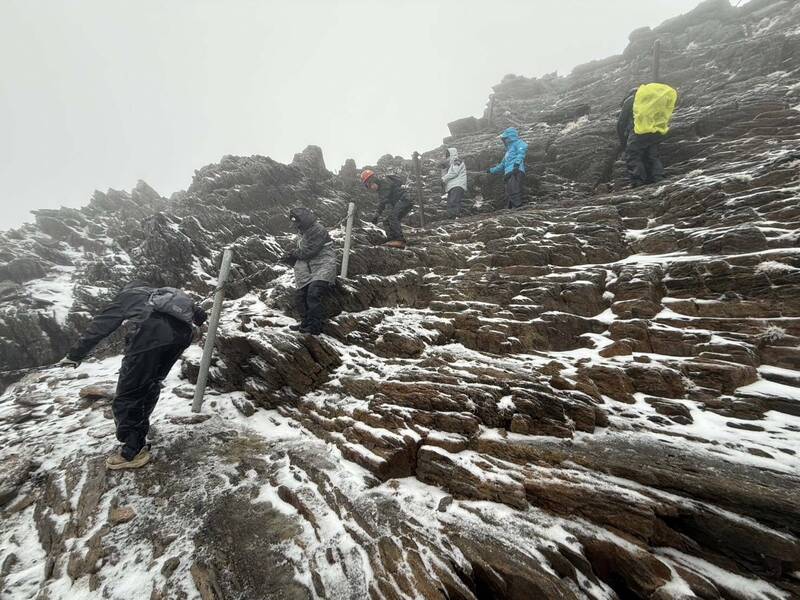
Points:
[(595, 397)]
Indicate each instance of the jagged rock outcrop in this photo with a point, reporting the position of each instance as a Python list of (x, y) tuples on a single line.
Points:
[(593, 397)]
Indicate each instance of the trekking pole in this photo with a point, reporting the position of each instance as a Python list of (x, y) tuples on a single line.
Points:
[(213, 322), (351, 209), (421, 202), (656, 61)]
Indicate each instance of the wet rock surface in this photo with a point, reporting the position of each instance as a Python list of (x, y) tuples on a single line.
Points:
[(593, 397)]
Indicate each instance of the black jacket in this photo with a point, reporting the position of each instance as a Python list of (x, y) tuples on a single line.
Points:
[(390, 192), (149, 329), (625, 120)]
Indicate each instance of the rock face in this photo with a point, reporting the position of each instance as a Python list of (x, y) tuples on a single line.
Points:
[(595, 397)]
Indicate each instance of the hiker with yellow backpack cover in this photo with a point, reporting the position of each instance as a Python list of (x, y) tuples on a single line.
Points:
[(642, 125)]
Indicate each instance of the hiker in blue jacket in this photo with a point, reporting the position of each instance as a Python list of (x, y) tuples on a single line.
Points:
[(512, 166)]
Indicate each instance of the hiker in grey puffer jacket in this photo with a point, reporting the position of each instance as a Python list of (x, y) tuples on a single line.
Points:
[(315, 268), (454, 178)]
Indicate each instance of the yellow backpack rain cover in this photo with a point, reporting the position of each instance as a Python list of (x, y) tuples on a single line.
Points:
[(653, 108)]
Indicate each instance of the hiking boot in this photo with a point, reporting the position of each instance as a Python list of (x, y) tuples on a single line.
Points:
[(311, 330), (116, 461), (296, 327)]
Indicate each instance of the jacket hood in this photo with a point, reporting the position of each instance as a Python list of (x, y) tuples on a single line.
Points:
[(452, 153), (510, 134), (303, 217), (630, 94)]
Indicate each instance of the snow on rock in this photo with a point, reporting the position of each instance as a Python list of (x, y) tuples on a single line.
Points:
[(593, 397)]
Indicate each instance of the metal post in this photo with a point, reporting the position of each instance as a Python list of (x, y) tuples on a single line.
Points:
[(351, 209), (418, 176), (490, 112), (657, 61), (211, 336)]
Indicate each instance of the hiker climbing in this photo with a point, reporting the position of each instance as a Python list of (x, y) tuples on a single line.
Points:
[(161, 320), (314, 261), (512, 166), (454, 179), (392, 194), (642, 125)]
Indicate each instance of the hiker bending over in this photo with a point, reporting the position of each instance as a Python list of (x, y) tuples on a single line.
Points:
[(315, 267), (512, 166), (454, 178), (161, 320), (390, 193), (642, 125)]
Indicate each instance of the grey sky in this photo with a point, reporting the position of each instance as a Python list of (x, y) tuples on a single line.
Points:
[(100, 93)]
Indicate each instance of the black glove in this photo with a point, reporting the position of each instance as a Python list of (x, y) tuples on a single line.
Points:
[(288, 259), (516, 168), (200, 316), (489, 171)]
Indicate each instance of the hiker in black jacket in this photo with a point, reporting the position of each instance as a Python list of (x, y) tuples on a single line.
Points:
[(161, 320), (642, 125), (390, 193)]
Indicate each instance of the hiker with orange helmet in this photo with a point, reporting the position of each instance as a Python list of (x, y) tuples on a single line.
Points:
[(392, 194)]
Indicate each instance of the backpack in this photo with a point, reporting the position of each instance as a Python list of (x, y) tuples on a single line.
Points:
[(653, 108), (173, 302), (397, 180)]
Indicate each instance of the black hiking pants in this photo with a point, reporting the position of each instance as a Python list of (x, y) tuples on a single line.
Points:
[(454, 198), (514, 189), (138, 388), (642, 160), (309, 303), (393, 221)]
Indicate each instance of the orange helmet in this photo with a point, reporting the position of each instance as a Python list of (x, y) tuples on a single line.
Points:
[(366, 175)]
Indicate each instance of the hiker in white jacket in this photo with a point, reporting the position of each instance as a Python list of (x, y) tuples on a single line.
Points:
[(454, 179)]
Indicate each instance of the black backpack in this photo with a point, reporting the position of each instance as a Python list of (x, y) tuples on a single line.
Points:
[(398, 188), (173, 302)]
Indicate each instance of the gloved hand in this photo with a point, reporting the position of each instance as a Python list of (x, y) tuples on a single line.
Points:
[(199, 316), (375, 219), (288, 259), (68, 362), (489, 170), (516, 168)]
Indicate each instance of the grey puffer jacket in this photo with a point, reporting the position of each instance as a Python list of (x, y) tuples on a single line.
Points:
[(456, 174), (315, 256)]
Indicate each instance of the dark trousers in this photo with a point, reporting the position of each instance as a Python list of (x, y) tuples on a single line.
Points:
[(514, 189), (308, 300), (392, 223), (138, 388), (642, 160), (454, 198)]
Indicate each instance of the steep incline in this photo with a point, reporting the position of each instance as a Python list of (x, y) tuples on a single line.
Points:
[(595, 397)]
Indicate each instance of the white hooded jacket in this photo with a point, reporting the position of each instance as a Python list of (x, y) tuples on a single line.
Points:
[(456, 174)]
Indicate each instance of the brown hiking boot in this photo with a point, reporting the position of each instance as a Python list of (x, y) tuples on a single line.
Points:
[(116, 461), (395, 244)]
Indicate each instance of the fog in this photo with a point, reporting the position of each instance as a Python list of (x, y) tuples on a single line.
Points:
[(101, 93)]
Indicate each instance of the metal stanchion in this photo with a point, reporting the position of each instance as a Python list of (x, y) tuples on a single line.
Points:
[(348, 232), (657, 61), (213, 322), (418, 177)]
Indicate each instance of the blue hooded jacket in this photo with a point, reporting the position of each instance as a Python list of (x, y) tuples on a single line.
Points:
[(515, 152)]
